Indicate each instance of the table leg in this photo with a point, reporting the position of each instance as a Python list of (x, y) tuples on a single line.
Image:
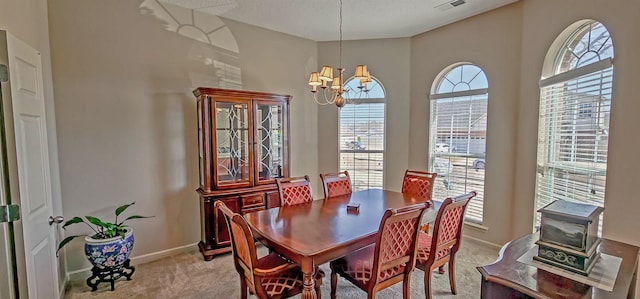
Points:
[(308, 286), (308, 280)]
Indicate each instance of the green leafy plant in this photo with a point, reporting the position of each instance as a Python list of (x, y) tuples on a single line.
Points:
[(101, 229)]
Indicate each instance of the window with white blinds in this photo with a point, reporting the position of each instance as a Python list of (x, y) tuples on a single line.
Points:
[(458, 131), (573, 132), (361, 138)]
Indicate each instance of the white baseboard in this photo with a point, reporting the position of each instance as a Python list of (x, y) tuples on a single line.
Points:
[(496, 246), (154, 256), (141, 259), (77, 274)]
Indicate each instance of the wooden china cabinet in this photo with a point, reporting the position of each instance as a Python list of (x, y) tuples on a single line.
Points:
[(243, 140)]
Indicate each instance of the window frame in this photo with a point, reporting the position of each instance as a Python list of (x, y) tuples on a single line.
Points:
[(341, 151), (474, 215), (562, 173)]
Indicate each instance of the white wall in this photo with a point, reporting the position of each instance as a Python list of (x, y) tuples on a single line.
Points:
[(510, 44), (543, 21), (127, 118), (388, 61), (492, 42), (281, 63)]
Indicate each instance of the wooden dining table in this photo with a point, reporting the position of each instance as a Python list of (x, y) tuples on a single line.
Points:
[(315, 233)]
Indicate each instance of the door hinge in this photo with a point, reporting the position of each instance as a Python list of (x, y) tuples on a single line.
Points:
[(9, 213), (4, 73)]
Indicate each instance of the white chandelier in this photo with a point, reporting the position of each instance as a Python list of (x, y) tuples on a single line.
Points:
[(336, 93)]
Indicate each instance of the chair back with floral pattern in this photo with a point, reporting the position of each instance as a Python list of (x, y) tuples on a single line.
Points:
[(294, 190), (447, 230), (243, 244), (418, 183), (336, 184), (395, 249)]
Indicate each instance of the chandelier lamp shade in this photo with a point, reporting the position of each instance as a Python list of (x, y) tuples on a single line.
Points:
[(332, 88)]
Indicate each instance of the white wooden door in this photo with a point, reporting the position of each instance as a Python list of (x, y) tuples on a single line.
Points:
[(32, 155)]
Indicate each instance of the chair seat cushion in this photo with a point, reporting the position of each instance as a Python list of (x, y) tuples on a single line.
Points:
[(359, 266), (275, 285), (424, 249)]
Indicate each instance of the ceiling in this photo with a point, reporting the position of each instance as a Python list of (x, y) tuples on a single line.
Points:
[(318, 20)]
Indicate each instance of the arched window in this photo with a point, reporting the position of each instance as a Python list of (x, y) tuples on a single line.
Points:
[(361, 137), (458, 134), (575, 105)]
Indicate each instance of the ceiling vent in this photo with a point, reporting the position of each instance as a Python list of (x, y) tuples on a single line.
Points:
[(450, 4)]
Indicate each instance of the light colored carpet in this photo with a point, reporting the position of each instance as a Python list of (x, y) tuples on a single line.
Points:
[(186, 275)]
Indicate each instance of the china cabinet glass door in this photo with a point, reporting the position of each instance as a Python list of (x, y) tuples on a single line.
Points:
[(232, 151), (269, 140), (201, 144)]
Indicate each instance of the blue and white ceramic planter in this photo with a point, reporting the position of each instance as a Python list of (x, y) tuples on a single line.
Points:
[(112, 252)]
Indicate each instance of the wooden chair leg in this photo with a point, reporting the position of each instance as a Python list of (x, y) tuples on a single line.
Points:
[(243, 288), (452, 275), (427, 283), (318, 278), (371, 295), (406, 286), (334, 282)]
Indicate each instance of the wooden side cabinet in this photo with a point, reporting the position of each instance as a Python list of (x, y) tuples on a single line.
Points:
[(509, 278), (243, 145)]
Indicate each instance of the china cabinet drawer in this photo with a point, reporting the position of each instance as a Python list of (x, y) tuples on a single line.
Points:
[(252, 201)]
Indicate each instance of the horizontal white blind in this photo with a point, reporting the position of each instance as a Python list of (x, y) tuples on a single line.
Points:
[(362, 144), (458, 145), (573, 137)]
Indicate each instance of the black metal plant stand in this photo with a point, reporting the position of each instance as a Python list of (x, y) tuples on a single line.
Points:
[(110, 274)]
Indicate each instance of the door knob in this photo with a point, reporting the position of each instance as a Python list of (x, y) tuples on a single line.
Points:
[(57, 219)]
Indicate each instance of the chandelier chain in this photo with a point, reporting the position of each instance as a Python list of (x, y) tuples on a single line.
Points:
[(340, 64), (332, 87)]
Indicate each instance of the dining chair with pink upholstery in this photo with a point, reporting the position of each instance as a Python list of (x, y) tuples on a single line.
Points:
[(390, 260), (418, 183), (270, 276), (440, 248), (336, 184), (294, 190)]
